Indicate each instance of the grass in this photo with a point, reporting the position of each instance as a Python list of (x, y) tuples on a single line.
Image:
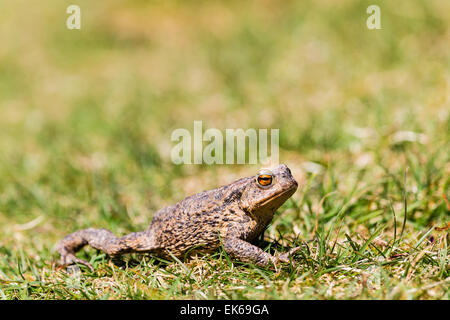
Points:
[(85, 142)]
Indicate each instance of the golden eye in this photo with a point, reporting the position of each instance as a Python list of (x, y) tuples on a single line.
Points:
[(265, 180)]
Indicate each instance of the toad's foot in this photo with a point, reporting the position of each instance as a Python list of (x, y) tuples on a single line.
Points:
[(284, 257), (69, 258), (247, 252)]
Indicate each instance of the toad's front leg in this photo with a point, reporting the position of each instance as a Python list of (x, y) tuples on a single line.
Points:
[(246, 252)]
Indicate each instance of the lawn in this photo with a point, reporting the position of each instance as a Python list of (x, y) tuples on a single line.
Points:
[(364, 120)]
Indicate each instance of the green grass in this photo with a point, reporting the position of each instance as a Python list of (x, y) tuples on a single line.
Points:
[(85, 142)]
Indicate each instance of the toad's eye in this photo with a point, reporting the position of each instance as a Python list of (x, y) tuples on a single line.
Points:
[(265, 180)]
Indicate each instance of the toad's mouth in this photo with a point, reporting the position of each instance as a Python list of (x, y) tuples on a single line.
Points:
[(290, 190)]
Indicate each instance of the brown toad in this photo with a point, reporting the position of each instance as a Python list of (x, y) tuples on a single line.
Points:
[(232, 216)]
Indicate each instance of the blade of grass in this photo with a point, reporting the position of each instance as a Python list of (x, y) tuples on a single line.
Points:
[(405, 205)]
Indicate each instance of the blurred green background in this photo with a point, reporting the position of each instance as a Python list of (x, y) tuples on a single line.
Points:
[(86, 115)]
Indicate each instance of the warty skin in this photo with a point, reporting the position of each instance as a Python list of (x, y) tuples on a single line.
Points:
[(233, 216)]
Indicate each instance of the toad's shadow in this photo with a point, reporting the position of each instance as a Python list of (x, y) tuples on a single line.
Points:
[(271, 246), (134, 260)]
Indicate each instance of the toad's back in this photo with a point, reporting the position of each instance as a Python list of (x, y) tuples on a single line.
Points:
[(198, 220)]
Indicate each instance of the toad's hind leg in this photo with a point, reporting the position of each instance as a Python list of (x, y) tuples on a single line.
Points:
[(104, 240)]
